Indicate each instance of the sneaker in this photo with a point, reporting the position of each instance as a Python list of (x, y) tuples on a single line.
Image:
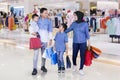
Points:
[(59, 69), (43, 69), (74, 68), (63, 69), (81, 72), (34, 72)]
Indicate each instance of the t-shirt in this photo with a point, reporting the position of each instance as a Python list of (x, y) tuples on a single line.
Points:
[(60, 41)]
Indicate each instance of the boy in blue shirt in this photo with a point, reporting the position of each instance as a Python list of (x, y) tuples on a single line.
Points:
[(61, 45)]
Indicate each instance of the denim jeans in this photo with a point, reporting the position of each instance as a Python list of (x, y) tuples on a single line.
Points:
[(35, 58), (76, 47), (60, 59), (36, 55), (43, 60)]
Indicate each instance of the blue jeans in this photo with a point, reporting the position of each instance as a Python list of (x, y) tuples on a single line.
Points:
[(76, 47), (35, 58), (36, 55), (60, 59)]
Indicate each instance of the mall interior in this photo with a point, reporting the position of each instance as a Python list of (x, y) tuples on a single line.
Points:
[(16, 58)]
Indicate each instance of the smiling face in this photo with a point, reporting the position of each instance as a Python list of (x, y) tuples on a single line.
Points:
[(36, 19), (44, 14), (75, 17), (61, 29)]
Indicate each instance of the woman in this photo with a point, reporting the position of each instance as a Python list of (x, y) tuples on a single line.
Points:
[(80, 39)]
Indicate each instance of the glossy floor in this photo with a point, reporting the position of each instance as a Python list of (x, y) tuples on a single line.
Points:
[(16, 60), (16, 64)]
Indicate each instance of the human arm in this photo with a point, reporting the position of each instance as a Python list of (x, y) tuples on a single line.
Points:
[(50, 29), (32, 30), (70, 28), (66, 44), (66, 48), (87, 36)]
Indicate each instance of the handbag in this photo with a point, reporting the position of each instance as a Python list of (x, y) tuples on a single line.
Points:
[(95, 55), (48, 53), (88, 58), (96, 50), (54, 59), (35, 43), (68, 62)]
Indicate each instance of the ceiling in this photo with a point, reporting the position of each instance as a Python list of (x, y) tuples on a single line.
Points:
[(49, 1)]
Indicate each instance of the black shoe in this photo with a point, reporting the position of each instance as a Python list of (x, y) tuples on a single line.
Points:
[(59, 69), (43, 69), (34, 72), (63, 69)]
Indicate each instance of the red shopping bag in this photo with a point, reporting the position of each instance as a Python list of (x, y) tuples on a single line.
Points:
[(88, 58), (35, 43)]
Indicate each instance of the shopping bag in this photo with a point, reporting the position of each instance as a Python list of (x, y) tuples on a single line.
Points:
[(95, 55), (96, 50), (35, 43), (14, 27), (1, 26), (48, 53), (68, 62), (88, 58), (98, 30), (54, 60)]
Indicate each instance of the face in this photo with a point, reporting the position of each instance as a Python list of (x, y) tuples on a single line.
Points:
[(44, 14), (75, 17), (61, 28), (36, 19)]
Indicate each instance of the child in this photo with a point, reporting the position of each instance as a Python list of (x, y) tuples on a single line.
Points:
[(34, 30), (61, 45)]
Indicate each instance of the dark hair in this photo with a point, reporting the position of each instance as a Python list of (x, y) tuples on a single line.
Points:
[(80, 16), (64, 26), (34, 15), (42, 10)]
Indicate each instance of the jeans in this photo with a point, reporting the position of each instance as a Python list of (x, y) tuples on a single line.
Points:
[(44, 46), (60, 59), (76, 47), (35, 58), (36, 55)]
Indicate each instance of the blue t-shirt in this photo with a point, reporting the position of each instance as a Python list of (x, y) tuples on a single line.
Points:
[(60, 41)]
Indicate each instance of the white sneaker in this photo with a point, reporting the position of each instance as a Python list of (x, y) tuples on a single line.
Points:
[(74, 68), (81, 72)]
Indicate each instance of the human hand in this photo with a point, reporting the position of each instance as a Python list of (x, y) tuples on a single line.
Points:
[(35, 34), (88, 45), (66, 52), (50, 43)]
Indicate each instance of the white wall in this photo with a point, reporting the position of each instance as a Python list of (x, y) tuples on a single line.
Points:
[(28, 5), (107, 5)]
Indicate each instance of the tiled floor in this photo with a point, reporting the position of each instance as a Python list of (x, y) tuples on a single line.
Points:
[(16, 60)]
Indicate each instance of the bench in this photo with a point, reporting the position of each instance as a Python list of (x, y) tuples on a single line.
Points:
[(116, 37)]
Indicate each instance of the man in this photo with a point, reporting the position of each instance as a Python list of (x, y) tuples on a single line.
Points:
[(45, 26)]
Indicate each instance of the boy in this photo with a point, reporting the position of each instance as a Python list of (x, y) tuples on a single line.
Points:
[(61, 45), (34, 29)]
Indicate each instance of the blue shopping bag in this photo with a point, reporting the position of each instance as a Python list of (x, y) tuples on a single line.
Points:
[(48, 52), (54, 60), (95, 55)]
